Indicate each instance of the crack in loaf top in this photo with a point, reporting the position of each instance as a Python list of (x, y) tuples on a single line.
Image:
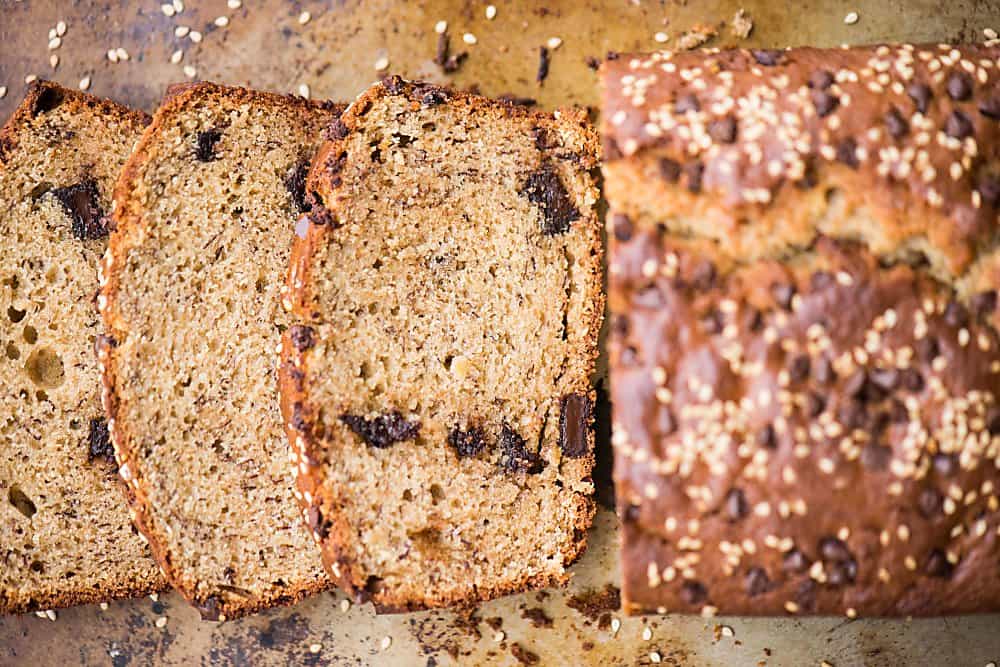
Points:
[(919, 123)]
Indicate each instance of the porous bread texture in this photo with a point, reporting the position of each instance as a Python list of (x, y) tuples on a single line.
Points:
[(64, 525), (438, 390), (204, 218)]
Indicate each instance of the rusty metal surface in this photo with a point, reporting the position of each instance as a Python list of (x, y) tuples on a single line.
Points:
[(334, 53)]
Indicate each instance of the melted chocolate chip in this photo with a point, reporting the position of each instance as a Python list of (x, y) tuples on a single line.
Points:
[(825, 102), (81, 204), (847, 152), (99, 441), (783, 293), (394, 84), (210, 608), (984, 303), (621, 226), (693, 592), (938, 565), (514, 456), (205, 143), (841, 573), (820, 79), (694, 171), (767, 57), (48, 99), (959, 86), (686, 103), (382, 431), (855, 384), (930, 502), (574, 425), (921, 95), (875, 457), (467, 442), (670, 171), (795, 561), (546, 189), (295, 183), (798, 369), (756, 581), (895, 124), (958, 125), (736, 505), (301, 337), (723, 130), (852, 414), (990, 107)]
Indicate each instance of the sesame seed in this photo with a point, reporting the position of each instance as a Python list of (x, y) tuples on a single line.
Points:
[(791, 607), (824, 663), (647, 634), (54, 61), (55, 43), (491, 12), (168, 10), (654, 657), (30, 78), (727, 631), (851, 18), (61, 28), (386, 642), (304, 18), (222, 21), (104, 606), (190, 72), (990, 33), (852, 612), (113, 55), (616, 625), (441, 27), (181, 31), (178, 5), (176, 56), (304, 90), (3, 92), (382, 64), (161, 622), (469, 38), (195, 36), (661, 37), (554, 43)]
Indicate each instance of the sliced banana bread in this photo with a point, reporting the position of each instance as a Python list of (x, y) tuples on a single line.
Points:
[(437, 387), (65, 534), (204, 214)]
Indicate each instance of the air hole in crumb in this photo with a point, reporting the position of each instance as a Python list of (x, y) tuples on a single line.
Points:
[(30, 335), (833, 196), (21, 502), (407, 495), (428, 127), (37, 566), (377, 264), (15, 315), (437, 493), (45, 368)]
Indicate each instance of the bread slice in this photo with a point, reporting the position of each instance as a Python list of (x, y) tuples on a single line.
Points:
[(437, 389), (64, 527), (204, 213)]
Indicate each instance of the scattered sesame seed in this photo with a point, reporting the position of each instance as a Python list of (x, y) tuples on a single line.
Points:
[(155, 597), (178, 6), (616, 625), (491, 12), (441, 27), (304, 90), (469, 38), (304, 18), (654, 657), (727, 631), (168, 10), (554, 43), (661, 37), (222, 21), (345, 604), (161, 622), (50, 614), (852, 612), (382, 64), (990, 33), (195, 36), (30, 78), (122, 53), (499, 636), (55, 43), (190, 72), (825, 663), (104, 606), (54, 61), (61, 28), (851, 18), (647, 634), (176, 56), (3, 92), (315, 648), (113, 55), (386, 642), (181, 31), (234, 4)]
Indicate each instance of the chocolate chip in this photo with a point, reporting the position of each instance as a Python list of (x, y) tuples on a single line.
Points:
[(805, 595), (988, 187), (205, 142), (990, 107), (631, 513), (847, 152), (723, 130), (820, 280), (703, 276), (795, 561), (693, 592), (337, 130), (993, 420), (984, 303), (825, 102), (824, 373), (666, 422), (815, 404), (768, 437), (317, 523), (756, 581), (958, 125), (295, 183), (921, 95), (928, 349), (382, 431), (834, 549), (210, 608), (432, 96), (959, 86), (798, 369), (670, 171), (48, 99), (514, 456), (622, 227), (820, 79), (546, 189), (767, 57), (912, 380), (783, 293), (694, 172), (574, 425), (930, 502), (945, 465), (468, 442), (875, 457), (81, 204), (394, 84), (736, 505), (938, 565), (886, 379), (686, 103), (841, 573), (299, 420), (895, 124), (99, 441), (855, 385), (301, 337), (543, 65)]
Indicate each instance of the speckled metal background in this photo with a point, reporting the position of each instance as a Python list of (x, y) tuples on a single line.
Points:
[(267, 44)]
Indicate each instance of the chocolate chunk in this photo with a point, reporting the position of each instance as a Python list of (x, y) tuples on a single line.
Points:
[(875, 456), (382, 431), (834, 549), (593, 62), (205, 142), (847, 152), (895, 124), (686, 103), (825, 102), (736, 505), (795, 561), (783, 293), (756, 581), (693, 592), (958, 125), (877, 424), (945, 465), (319, 525), (992, 420), (938, 565), (295, 183), (468, 442), (921, 95), (543, 65), (621, 226), (930, 502), (768, 437), (815, 404), (81, 204), (990, 107), (514, 456), (928, 349), (320, 215), (337, 130), (301, 337), (912, 380), (820, 79), (99, 441), (959, 86), (824, 373), (767, 57), (798, 369), (665, 421), (984, 303), (670, 171), (546, 189), (48, 99), (574, 425), (885, 378), (694, 172), (723, 130)]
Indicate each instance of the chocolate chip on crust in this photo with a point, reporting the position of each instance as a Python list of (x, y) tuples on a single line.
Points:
[(574, 425), (757, 581), (693, 592), (546, 189), (467, 442), (301, 337), (938, 565), (382, 431), (767, 57), (48, 99), (81, 204), (921, 95), (295, 182)]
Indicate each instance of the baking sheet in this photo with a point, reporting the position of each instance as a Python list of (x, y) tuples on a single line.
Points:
[(269, 44)]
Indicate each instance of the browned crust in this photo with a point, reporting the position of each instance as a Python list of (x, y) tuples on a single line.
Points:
[(129, 220), (79, 103), (329, 527)]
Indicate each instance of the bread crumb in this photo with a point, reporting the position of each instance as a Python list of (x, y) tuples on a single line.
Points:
[(742, 24), (695, 36)]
